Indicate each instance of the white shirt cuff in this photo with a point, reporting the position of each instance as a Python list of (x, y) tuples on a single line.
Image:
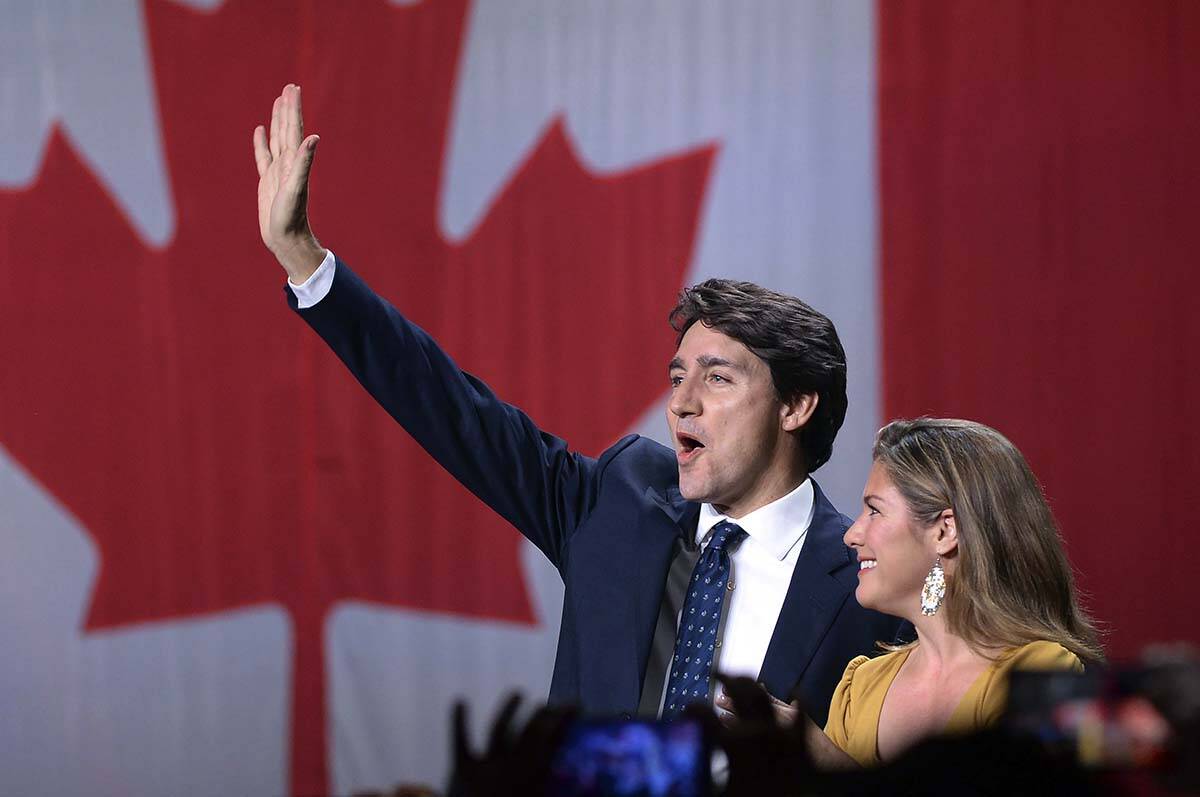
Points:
[(317, 286)]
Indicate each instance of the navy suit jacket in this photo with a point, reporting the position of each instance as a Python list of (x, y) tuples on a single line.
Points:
[(609, 524)]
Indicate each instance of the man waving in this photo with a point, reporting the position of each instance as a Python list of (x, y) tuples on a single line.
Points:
[(722, 553)]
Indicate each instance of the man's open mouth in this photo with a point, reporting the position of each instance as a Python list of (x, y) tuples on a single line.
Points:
[(688, 446)]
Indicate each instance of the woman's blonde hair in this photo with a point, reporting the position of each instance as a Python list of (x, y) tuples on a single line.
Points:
[(1012, 583)]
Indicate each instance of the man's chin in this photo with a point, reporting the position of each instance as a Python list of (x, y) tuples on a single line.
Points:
[(690, 491)]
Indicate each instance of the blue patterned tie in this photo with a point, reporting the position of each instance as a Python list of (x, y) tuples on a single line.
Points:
[(695, 642)]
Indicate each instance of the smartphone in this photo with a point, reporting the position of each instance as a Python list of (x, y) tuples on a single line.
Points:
[(1101, 718), (634, 757)]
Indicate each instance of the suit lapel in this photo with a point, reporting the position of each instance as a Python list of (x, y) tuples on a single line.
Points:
[(671, 518), (683, 514), (816, 593), (620, 590)]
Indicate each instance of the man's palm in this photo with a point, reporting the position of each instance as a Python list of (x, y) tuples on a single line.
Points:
[(284, 158)]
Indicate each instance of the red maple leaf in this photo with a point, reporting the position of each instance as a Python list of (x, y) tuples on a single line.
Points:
[(219, 456)]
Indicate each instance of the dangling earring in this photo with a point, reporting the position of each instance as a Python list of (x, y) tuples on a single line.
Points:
[(934, 590)]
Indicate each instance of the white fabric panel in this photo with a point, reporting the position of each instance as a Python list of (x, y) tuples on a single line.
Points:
[(159, 708), (394, 676), (85, 67)]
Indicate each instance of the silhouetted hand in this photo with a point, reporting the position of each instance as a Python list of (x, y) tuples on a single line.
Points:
[(512, 763), (766, 757)]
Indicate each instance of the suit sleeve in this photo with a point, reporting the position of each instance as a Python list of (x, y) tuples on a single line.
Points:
[(529, 477)]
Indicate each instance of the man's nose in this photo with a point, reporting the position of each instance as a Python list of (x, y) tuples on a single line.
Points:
[(683, 399)]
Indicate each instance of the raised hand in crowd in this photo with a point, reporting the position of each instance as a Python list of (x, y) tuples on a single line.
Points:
[(789, 719), (766, 755), (513, 762)]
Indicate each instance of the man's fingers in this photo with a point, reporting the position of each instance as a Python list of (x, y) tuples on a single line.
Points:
[(724, 707), (287, 120), (298, 179), (295, 119), (750, 700), (786, 714), (276, 123), (262, 153), (292, 125)]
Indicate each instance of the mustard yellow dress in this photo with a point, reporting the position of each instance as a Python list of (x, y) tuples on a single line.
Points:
[(858, 699)]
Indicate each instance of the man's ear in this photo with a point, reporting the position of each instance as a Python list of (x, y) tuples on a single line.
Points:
[(946, 530), (795, 413)]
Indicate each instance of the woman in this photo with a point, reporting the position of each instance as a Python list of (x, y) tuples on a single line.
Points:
[(956, 537)]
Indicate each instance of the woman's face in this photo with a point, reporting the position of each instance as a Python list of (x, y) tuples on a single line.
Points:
[(894, 552)]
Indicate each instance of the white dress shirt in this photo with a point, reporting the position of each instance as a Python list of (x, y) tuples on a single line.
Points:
[(761, 568)]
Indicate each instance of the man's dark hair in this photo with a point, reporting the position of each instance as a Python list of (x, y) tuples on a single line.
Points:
[(799, 344)]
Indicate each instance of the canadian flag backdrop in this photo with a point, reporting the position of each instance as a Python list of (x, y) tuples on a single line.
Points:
[(223, 570)]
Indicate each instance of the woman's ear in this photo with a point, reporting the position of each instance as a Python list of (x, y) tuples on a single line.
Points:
[(946, 530)]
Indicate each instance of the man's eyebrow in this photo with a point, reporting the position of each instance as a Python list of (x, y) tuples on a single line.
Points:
[(711, 360), (706, 361)]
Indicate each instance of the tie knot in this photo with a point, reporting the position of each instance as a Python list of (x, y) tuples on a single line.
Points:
[(725, 534)]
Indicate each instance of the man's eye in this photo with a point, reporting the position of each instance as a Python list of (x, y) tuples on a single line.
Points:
[(717, 378), (676, 381), (872, 510)]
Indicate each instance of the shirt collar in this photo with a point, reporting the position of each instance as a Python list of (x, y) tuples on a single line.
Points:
[(778, 526)]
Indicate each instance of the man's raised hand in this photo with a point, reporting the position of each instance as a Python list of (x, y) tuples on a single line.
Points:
[(284, 160)]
